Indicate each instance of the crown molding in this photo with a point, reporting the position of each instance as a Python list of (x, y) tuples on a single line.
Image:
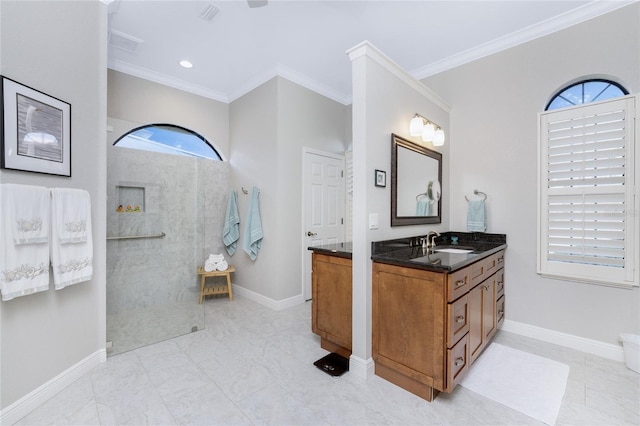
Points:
[(294, 76), (369, 50), (313, 85), (166, 80), (568, 19)]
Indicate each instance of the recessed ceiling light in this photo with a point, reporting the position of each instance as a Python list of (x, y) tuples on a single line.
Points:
[(186, 64)]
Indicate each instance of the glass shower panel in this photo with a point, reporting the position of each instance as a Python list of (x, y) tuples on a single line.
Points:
[(158, 228)]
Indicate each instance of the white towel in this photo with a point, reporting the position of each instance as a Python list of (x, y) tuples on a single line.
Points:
[(222, 266), (72, 262), (72, 213), (27, 208), (209, 266), (24, 252), (216, 257), (215, 262)]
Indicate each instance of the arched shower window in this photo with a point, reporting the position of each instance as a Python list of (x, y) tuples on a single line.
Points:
[(586, 91), (168, 139)]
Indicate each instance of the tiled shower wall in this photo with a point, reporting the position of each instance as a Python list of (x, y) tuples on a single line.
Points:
[(152, 287)]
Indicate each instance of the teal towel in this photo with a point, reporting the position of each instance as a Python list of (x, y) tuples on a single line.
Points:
[(476, 217), (423, 207), (231, 231), (252, 238)]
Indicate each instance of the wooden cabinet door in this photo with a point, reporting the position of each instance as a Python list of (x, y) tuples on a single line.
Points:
[(475, 322), (488, 308), (409, 314), (332, 296)]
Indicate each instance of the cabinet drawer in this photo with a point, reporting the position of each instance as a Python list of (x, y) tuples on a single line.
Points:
[(493, 263), (500, 311), (477, 273), (458, 284), (457, 320), (500, 284), (457, 362)]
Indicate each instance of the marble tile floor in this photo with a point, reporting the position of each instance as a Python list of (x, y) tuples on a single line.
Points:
[(254, 366), (134, 328)]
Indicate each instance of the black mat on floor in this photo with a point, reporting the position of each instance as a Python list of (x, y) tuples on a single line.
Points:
[(333, 364)]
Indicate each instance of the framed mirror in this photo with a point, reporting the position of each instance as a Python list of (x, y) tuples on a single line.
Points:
[(416, 176)]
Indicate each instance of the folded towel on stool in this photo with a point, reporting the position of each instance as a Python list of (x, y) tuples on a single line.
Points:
[(216, 258), (209, 266)]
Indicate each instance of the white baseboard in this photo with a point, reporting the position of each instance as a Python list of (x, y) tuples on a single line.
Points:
[(16, 411), (605, 350), (361, 368), (276, 305)]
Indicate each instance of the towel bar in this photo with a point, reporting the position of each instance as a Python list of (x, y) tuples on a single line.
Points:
[(476, 192), (132, 237)]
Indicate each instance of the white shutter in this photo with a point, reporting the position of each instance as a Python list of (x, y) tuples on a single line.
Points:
[(586, 189)]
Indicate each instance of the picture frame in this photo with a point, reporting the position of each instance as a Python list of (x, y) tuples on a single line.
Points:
[(381, 178), (35, 130)]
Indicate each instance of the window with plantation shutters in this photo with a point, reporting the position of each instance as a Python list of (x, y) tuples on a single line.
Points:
[(588, 223)]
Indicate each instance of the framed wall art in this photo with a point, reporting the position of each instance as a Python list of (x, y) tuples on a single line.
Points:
[(381, 178), (36, 130)]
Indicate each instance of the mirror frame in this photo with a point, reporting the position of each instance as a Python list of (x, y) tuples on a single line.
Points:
[(398, 141)]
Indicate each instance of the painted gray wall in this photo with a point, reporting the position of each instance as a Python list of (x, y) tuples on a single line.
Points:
[(494, 149), (59, 48), (269, 127), (144, 102)]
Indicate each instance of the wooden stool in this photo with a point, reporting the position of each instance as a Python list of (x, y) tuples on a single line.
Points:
[(215, 289)]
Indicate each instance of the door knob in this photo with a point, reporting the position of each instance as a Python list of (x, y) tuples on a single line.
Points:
[(311, 234)]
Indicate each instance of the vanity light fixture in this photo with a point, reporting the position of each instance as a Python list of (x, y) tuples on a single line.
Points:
[(428, 130)]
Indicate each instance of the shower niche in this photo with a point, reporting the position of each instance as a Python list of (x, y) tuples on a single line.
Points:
[(130, 199)]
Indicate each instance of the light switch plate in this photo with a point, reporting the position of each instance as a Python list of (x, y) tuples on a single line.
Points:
[(373, 220)]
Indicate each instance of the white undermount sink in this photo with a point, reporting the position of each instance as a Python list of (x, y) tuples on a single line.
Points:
[(452, 250)]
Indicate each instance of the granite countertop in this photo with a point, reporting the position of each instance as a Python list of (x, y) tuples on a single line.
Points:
[(408, 251), (337, 249)]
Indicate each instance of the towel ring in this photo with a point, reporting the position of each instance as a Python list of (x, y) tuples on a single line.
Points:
[(476, 192)]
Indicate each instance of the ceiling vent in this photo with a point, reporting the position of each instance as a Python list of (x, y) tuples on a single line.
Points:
[(124, 41), (209, 12)]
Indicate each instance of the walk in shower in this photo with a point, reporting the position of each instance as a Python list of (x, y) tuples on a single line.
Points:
[(165, 215)]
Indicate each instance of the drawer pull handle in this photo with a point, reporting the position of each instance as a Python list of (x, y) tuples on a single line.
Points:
[(500, 312), (460, 318), (459, 361), (501, 259), (459, 283), (500, 282)]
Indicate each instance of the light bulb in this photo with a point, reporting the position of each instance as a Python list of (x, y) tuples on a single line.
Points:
[(415, 126), (438, 138), (428, 132)]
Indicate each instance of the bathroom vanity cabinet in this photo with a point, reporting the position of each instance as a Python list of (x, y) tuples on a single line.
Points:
[(431, 321), (331, 304)]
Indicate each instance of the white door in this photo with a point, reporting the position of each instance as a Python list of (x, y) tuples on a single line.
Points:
[(323, 205)]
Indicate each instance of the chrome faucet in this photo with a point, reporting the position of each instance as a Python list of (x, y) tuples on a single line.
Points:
[(430, 240)]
